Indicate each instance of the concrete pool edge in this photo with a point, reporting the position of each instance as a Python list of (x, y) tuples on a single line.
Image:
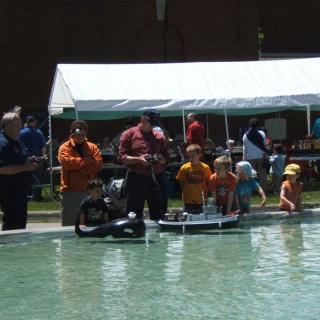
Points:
[(253, 219)]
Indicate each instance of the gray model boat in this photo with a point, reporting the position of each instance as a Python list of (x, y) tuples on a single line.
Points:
[(199, 222)]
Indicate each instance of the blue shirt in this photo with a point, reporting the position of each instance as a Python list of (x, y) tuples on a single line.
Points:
[(33, 139), (277, 162), (13, 152), (316, 128), (244, 192)]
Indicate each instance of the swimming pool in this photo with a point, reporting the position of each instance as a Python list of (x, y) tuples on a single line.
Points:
[(259, 272)]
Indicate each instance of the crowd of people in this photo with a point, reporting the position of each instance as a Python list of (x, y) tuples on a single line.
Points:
[(144, 150)]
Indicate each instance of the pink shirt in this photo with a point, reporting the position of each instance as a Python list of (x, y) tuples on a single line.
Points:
[(135, 143)]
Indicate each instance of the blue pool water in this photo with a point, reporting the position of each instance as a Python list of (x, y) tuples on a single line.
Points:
[(262, 272)]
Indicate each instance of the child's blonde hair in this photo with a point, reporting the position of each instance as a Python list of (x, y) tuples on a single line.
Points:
[(194, 148), (222, 162)]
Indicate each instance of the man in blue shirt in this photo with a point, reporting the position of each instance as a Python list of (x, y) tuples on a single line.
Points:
[(35, 144)]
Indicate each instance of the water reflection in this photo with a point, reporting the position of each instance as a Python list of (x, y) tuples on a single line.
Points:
[(292, 236)]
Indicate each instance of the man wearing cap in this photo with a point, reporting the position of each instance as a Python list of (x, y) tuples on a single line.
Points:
[(34, 141), (195, 131), (80, 161), (145, 152)]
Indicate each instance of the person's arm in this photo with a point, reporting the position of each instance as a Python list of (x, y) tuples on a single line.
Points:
[(236, 201), (18, 168), (262, 195), (229, 203), (284, 198), (299, 203), (124, 153), (82, 219), (93, 160), (69, 160), (106, 217), (164, 154)]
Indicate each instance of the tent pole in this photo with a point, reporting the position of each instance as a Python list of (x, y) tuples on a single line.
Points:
[(207, 125), (308, 120), (50, 134), (227, 134), (184, 127), (50, 154)]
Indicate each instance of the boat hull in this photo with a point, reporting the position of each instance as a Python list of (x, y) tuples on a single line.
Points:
[(222, 223)]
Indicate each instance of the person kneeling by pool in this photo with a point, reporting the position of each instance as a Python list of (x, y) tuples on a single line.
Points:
[(93, 209), (94, 213)]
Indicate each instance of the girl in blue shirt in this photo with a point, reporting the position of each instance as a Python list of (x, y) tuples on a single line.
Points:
[(245, 186)]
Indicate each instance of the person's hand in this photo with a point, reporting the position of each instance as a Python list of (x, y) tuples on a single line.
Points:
[(142, 160), (263, 203), (161, 158), (89, 159), (30, 166), (292, 207)]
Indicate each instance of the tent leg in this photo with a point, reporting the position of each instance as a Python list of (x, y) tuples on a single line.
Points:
[(227, 134), (308, 120), (184, 127)]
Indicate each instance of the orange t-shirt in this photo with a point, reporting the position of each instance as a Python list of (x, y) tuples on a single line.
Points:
[(293, 192), (222, 187), (195, 179)]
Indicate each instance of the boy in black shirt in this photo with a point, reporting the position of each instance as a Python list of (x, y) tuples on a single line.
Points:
[(94, 210)]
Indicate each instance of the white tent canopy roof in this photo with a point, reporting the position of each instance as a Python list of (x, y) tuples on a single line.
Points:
[(177, 86)]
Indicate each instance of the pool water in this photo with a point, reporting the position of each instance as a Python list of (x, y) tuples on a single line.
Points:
[(262, 272)]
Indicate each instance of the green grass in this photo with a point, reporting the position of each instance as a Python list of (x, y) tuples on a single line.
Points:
[(310, 194)]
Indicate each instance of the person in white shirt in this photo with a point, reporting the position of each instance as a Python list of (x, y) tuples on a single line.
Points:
[(254, 151)]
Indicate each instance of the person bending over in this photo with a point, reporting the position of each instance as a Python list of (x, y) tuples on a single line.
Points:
[(246, 185), (291, 189)]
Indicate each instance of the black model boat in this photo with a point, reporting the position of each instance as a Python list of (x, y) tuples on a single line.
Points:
[(199, 222)]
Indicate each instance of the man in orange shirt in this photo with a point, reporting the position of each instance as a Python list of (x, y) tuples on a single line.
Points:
[(81, 161)]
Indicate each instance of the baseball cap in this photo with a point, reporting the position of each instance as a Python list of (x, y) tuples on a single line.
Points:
[(292, 169), (153, 115), (247, 169), (30, 119)]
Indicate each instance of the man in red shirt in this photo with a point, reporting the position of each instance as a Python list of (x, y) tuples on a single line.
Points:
[(145, 152), (195, 131)]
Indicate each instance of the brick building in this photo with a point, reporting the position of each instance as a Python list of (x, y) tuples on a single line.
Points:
[(36, 35)]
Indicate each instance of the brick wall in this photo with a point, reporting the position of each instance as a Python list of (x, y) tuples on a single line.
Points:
[(36, 35), (290, 26)]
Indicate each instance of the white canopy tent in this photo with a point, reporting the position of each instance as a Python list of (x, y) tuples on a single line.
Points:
[(106, 91), (177, 86)]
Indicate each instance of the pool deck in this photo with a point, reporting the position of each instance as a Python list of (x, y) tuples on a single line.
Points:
[(51, 220)]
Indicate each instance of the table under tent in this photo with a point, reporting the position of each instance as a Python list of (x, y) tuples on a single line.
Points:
[(113, 91)]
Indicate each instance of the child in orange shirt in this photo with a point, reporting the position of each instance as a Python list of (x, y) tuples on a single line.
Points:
[(194, 178), (291, 189), (222, 184)]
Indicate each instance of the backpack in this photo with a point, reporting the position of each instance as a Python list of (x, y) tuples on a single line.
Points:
[(114, 191)]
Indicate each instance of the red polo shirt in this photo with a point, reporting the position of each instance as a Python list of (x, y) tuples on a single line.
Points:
[(196, 133), (135, 143)]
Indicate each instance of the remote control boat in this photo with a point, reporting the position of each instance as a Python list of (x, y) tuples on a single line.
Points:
[(208, 219)]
